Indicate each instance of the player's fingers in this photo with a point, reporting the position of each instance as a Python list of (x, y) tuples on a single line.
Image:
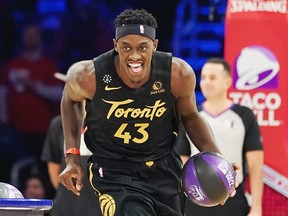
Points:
[(79, 178), (67, 181), (79, 185), (70, 185), (236, 167), (233, 193), (61, 179), (222, 203), (236, 183)]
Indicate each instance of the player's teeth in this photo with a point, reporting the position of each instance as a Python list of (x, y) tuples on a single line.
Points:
[(134, 65)]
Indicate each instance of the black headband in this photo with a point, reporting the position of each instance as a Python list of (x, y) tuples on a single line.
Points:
[(137, 29)]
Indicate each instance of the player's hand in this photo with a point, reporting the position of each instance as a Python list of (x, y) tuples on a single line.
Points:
[(236, 167), (72, 172)]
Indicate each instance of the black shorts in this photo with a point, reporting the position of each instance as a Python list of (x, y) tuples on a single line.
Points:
[(131, 189)]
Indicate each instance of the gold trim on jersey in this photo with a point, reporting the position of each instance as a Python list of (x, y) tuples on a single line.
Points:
[(107, 205), (149, 163), (149, 111)]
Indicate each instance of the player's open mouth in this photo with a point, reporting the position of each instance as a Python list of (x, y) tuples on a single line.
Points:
[(135, 67)]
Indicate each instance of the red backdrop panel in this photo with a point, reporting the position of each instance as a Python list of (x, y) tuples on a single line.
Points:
[(256, 46)]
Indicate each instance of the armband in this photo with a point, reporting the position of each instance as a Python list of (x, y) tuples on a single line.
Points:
[(74, 151)]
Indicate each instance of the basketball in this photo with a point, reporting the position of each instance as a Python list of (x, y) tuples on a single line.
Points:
[(208, 179), (9, 191)]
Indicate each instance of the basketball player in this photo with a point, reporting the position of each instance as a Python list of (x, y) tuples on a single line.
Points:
[(130, 92), (238, 138)]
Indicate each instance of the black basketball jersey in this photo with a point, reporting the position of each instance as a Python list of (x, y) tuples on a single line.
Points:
[(130, 124)]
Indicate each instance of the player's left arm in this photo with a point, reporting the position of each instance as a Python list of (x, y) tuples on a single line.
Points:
[(183, 84), (255, 165)]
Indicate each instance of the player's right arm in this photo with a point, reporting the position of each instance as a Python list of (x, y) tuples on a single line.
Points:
[(80, 85)]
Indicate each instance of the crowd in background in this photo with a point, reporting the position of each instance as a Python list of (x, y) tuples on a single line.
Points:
[(76, 29)]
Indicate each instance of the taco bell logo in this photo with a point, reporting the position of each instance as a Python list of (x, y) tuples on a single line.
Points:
[(256, 66)]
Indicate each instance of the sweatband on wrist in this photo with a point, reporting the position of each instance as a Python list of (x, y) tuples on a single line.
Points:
[(74, 151), (143, 30)]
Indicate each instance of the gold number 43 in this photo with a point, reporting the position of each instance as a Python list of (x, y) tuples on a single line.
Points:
[(126, 136)]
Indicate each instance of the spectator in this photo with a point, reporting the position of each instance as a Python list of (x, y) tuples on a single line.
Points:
[(34, 188), (32, 94)]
